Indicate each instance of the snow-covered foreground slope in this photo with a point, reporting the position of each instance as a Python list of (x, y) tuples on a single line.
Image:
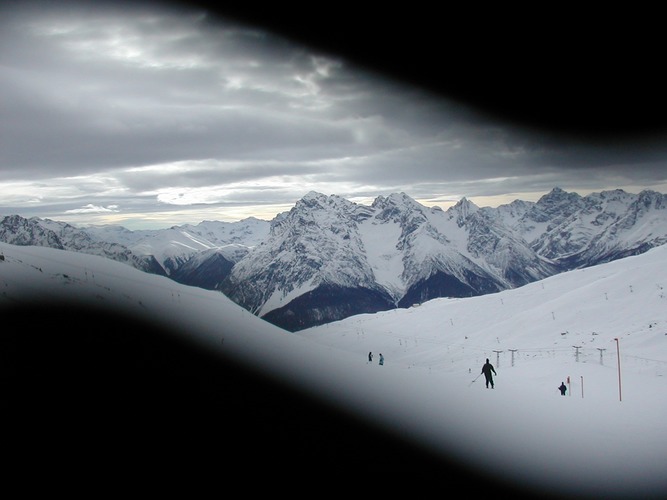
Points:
[(605, 436), (596, 440)]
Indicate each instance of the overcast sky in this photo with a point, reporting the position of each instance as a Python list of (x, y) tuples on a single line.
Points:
[(150, 117)]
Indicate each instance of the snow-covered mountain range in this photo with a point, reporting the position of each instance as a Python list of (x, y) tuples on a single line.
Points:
[(162, 251), (329, 258)]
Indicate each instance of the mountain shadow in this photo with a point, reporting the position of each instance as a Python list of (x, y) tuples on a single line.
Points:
[(328, 303), (445, 285)]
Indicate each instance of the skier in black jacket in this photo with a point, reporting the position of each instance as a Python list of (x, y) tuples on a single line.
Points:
[(487, 369)]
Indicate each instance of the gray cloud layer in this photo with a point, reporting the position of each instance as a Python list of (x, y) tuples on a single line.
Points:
[(133, 113)]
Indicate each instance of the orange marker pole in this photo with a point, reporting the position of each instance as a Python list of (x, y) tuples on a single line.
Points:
[(618, 354)]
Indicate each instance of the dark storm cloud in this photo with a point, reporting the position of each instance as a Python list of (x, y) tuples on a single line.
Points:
[(110, 95), (139, 108)]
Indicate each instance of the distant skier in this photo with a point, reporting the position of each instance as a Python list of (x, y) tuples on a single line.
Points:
[(562, 388), (370, 357), (487, 369), (381, 359)]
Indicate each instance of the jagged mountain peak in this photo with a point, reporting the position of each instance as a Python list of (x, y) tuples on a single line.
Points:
[(311, 198), (648, 198), (398, 207), (321, 198), (399, 199), (464, 204), (315, 210), (558, 196), (463, 209), (323, 204)]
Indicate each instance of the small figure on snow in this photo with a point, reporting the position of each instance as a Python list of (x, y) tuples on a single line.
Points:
[(381, 359), (487, 369), (562, 388), (370, 357)]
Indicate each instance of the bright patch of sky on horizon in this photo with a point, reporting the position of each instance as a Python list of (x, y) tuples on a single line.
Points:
[(150, 118)]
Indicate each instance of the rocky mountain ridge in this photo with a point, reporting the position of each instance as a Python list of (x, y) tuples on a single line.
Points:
[(329, 258)]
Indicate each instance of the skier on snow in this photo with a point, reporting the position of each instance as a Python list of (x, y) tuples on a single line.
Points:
[(487, 369), (381, 359), (370, 357), (562, 388)]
